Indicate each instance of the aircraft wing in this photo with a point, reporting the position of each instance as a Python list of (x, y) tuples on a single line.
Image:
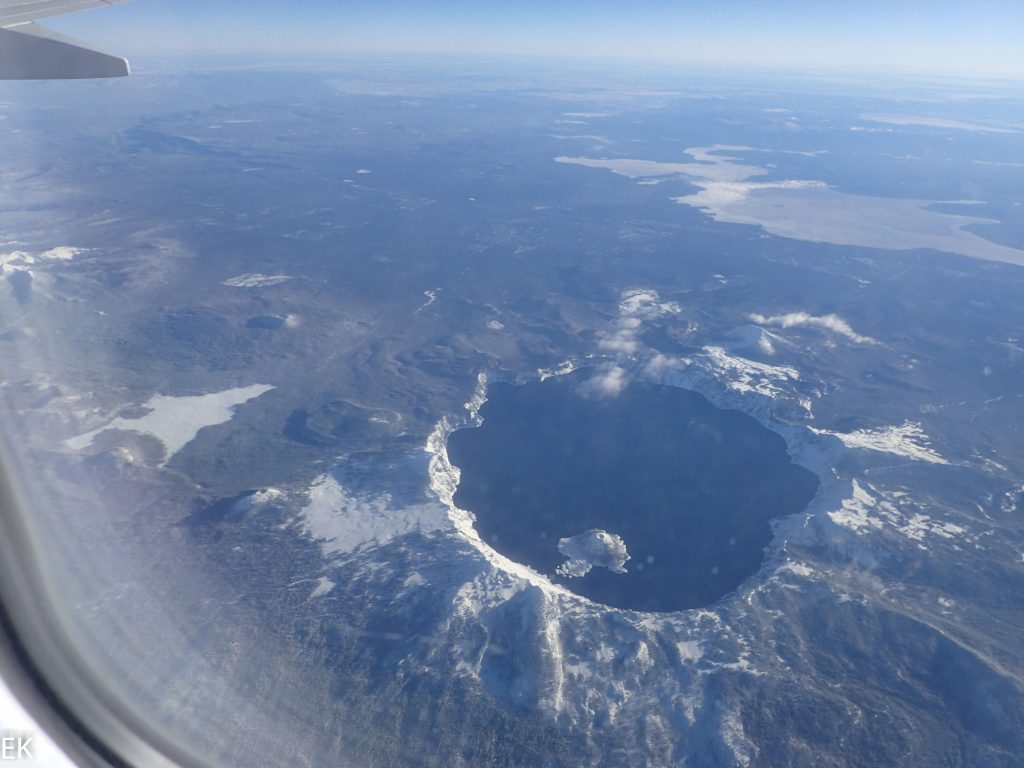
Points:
[(31, 52)]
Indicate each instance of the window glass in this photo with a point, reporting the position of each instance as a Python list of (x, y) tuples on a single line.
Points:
[(528, 386)]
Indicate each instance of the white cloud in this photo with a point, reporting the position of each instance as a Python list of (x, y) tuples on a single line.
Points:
[(255, 280), (832, 323), (622, 343), (608, 381), (635, 306), (61, 253), (16, 261), (661, 364), (751, 336), (646, 304), (323, 586)]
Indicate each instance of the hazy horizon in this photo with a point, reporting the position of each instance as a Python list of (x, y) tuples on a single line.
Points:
[(928, 38)]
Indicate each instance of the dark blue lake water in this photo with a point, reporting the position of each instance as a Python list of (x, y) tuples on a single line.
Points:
[(689, 487)]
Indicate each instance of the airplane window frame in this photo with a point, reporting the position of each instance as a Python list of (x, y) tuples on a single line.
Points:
[(45, 672)]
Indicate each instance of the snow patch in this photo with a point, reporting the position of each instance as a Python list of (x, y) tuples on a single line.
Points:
[(715, 196), (590, 549), (343, 522), (805, 209), (855, 511), (908, 439), (175, 421), (562, 370), (869, 509), (798, 569), (707, 165), (743, 375), (256, 499), (690, 650)]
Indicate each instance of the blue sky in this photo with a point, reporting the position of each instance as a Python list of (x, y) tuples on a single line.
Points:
[(970, 37)]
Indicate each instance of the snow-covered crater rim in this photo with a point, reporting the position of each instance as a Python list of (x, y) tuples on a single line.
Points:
[(805, 447)]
